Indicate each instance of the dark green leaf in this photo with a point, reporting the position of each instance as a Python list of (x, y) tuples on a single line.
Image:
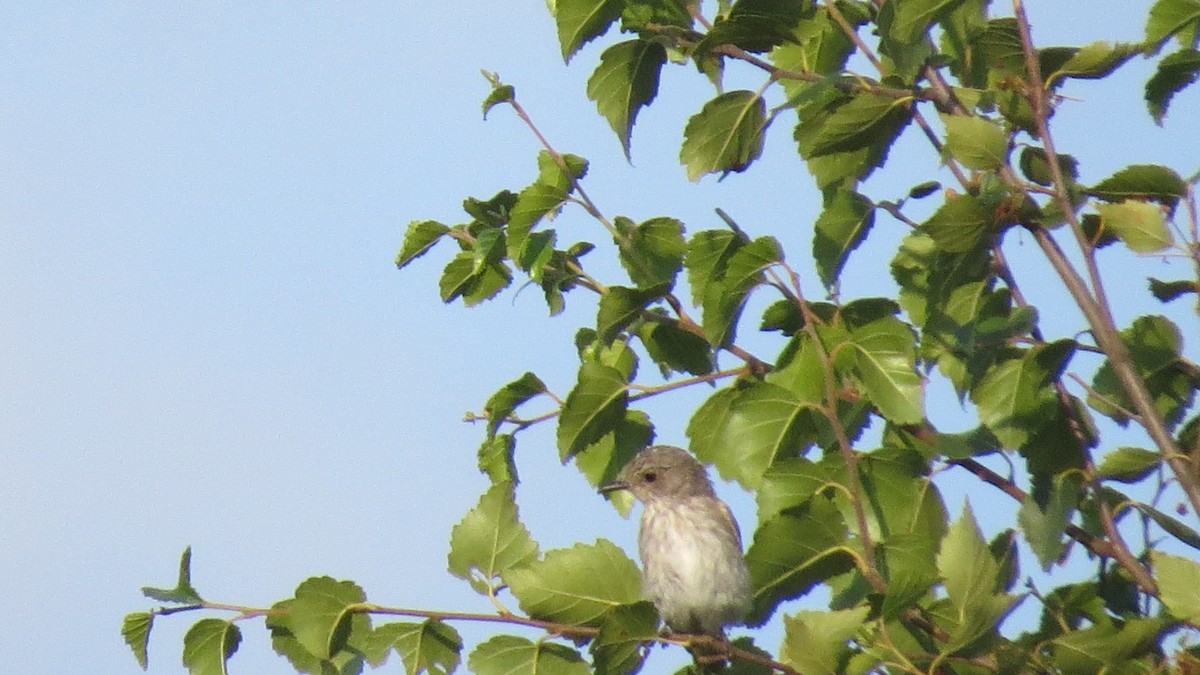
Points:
[(840, 228), (183, 593), (1036, 166), (858, 124), (420, 237), (581, 21), (755, 25), (577, 585), (1172, 526), (653, 251), (621, 306), (593, 408), (676, 349), (626, 81), (1167, 291), (510, 655), (136, 631), (208, 646), (490, 540), (725, 136), (725, 298), (428, 647), (1142, 181), (504, 402), (925, 189), (1175, 73)]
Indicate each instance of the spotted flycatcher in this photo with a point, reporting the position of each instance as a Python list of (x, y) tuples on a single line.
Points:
[(691, 549)]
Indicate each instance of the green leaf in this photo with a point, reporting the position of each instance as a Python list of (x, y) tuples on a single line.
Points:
[(593, 408), (789, 483), (816, 642), (725, 298), (1172, 526), (208, 646), (490, 540), (860, 123), (427, 647), (1169, 17), (500, 93), (1154, 344), (495, 458), (1015, 398), (183, 593), (581, 21), (914, 17), (626, 81), (1142, 181), (1095, 61), (1175, 73), (319, 617), (793, 552), (510, 655), (960, 224), (601, 461), (577, 585), (420, 237), (619, 646), (504, 402), (975, 142), (1044, 524), (1179, 585), (1128, 465), (840, 228), (621, 306), (348, 661), (886, 368), (762, 423), (136, 631), (1107, 647), (653, 251), (1139, 224), (707, 258), (970, 573), (726, 135)]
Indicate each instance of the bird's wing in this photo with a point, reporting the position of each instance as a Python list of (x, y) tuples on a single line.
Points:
[(731, 523)]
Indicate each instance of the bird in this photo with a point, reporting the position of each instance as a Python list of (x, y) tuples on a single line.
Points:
[(693, 569)]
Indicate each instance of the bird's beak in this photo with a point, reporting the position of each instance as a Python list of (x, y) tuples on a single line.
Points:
[(613, 487)]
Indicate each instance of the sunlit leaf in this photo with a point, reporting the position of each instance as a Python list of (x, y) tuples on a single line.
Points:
[(490, 540)]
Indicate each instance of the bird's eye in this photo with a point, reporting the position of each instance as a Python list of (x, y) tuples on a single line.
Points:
[(649, 476)]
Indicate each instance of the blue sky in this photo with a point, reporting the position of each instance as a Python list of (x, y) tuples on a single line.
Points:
[(206, 342)]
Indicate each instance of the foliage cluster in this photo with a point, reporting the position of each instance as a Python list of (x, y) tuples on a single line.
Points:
[(914, 588)]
